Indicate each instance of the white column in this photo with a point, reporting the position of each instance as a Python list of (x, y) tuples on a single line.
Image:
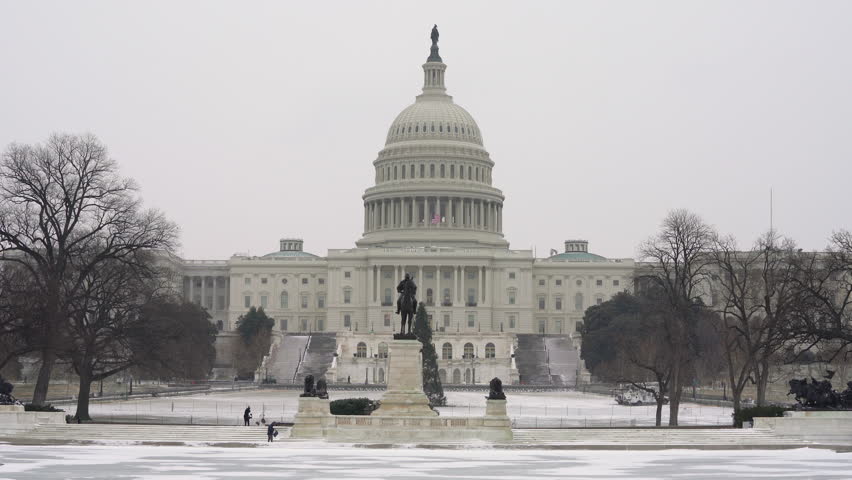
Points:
[(428, 212), (455, 297), (438, 210), (450, 211), (438, 294), (191, 289), (479, 290), (203, 290)]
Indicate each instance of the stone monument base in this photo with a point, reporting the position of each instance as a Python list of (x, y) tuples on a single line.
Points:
[(312, 418), (826, 426), (14, 419)]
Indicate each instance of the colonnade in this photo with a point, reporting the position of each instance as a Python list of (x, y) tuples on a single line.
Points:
[(433, 212), (212, 290), (457, 295)]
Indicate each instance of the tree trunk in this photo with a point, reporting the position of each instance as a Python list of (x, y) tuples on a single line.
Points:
[(674, 394), (48, 359), (762, 381), (659, 418), (736, 397), (83, 397)]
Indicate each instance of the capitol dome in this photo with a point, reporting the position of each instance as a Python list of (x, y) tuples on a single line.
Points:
[(433, 177)]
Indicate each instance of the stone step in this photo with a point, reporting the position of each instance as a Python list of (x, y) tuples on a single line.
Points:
[(151, 433), (619, 436)]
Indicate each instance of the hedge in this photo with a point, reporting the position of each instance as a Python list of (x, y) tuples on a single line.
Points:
[(353, 406), (747, 414)]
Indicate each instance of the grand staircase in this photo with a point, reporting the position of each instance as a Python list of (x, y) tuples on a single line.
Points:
[(531, 360), (317, 360), (563, 359), (286, 358), (112, 433)]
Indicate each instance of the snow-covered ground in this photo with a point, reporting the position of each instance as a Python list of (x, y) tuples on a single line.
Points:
[(552, 409), (340, 462)]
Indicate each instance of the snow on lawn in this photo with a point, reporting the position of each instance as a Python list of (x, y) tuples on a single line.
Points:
[(527, 409), (341, 462)]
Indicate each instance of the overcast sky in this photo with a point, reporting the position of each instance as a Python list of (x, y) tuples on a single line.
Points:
[(248, 121)]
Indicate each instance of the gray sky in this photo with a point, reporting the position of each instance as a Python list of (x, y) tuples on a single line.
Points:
[(248, 121)]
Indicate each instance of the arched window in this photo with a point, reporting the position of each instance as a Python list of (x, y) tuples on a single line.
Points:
[(452, 171), (285, 299), (447, 301), (477, 174), (441, 128), (362, 350), (489, 350), (442, 374), (422, 170), (461, 172), (383, 350), (411, 171), (220, 325), (468, 350), (447, 351), (381, 375), (578, 302), (456, 376), (388, 302), (469, 171), (416, 128), (466, 375), (402, 171), (442, 170), (429, 298), (432, 171), (394, 172)]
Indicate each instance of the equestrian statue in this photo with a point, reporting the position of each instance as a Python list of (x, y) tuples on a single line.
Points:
[(406, 305)]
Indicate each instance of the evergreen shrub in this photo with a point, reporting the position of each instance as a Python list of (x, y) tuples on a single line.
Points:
[(353, 406), (747, 414)]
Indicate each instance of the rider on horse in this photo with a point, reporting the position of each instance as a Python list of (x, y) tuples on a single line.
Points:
[(406, 288)]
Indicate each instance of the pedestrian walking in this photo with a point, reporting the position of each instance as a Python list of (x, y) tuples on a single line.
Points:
[(247, 416), (271, 432)]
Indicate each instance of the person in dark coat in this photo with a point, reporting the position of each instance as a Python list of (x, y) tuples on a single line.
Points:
[(270, 432), (247, 416)]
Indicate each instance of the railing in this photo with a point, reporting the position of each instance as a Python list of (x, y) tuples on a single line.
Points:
[(446, 304), (470, 304), (387, 304)]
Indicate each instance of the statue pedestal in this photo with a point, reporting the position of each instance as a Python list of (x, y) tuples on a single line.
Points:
[(312, 418), (404, 396)]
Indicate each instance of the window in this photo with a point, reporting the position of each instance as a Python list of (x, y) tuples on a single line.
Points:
[(541, 282), (247, 280), (578, 302), (321, 281), (247, 301), (383, 350), (471, 275), (422, 170), (264, 280), (558, 282), (284, 281), (599, 300), (558, 303), (446, 298), (489, 350), (512, 293), (304, 281), (387, 274), (442, 170), (578, 327), (284, 323), (430, 274), (220, 302), (361, 350), (347, 321), (511, 321), (304, 301), (347, 295), (541, 303), (471, 320), (428, 296), (387, 301), (579, 283), (468, 350), (320, 301), (446, 320), (615, 283), (263, 299), (471, 297), (219, 325), (387, 319), (432, 171), (347, 274), (447, 275), (511, 275), (599, 283), (447, 352), (208, 302)]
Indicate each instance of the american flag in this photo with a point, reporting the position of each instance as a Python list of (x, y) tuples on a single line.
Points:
[(436, 219)]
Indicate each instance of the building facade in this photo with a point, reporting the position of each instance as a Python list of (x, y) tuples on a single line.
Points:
[(434, 213)]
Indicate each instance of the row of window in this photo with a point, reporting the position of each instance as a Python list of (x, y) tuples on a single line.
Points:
[(446, 351), (305, 281), (542, 282), (442, 170), (284, 300), (415, 128), (557, 302)]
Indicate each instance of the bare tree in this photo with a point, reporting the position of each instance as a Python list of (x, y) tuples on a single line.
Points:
[(677, 263), (64, 210), (760, 296), (825, 317)]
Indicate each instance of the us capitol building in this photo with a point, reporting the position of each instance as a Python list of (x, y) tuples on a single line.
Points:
[(434, 213)]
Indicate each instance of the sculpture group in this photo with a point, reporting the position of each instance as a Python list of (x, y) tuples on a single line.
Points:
[(820, 394)]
